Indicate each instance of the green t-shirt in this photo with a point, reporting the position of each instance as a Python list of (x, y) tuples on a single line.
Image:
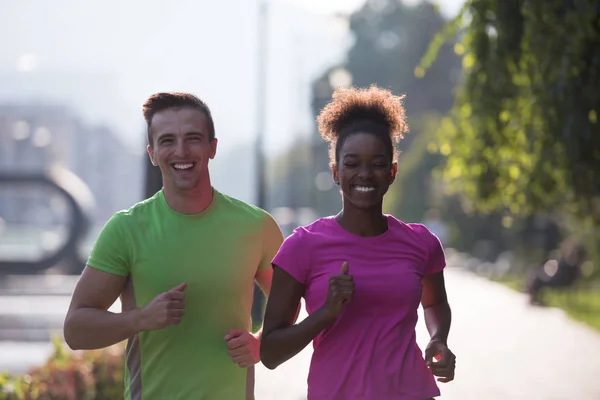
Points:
[(218, 253)]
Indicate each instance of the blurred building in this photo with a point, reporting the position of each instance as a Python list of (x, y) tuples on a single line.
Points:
[(35, 136)]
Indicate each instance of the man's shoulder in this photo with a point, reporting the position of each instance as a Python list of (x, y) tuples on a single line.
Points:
[(136, 212), (241, 208)]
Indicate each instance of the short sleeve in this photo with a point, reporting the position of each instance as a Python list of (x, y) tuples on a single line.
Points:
[(271, 239), (111, 251), (292, 256), (437, 258)]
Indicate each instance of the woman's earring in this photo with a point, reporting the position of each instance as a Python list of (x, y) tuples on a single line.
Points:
[(337, 183)]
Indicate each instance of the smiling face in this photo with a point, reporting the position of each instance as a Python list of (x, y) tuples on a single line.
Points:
[(364, 170), (181, 148)]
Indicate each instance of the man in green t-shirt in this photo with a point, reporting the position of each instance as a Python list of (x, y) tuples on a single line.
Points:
[(184, 263)]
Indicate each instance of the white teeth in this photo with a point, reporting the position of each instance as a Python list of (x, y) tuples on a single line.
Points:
[(183, 166), (364, 188)]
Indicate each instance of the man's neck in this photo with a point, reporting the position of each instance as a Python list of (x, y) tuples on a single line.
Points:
[(189, 202)]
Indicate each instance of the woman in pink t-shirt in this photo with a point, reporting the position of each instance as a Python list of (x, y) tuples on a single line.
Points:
[(363, 274)]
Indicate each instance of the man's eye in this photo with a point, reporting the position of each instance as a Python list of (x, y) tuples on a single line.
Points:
[(349, 165)]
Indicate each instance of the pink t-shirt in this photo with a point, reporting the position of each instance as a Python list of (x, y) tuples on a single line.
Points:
[(370, 352)]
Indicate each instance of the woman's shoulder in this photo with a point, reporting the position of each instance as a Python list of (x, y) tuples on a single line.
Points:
[(296, 249), (319, 226), (415, 230)]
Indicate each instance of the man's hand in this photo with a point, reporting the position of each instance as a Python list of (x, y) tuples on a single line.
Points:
[(243, 347), (164, 310), (340, 291), (445, 362)]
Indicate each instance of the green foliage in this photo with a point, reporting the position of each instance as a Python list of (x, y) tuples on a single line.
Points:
[(408, 198), (390, 41), (67, 375), (581, 303), (524, 132), (291, 172), (12, 387)]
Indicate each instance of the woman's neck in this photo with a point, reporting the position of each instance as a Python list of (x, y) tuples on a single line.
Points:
[(363, 222)]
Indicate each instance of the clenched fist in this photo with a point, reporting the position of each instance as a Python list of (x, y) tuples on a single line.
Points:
[(341, 289), (164, 310), (243, 347), (445, 363)]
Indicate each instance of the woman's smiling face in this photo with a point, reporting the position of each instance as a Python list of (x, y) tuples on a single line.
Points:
[(364, 170)]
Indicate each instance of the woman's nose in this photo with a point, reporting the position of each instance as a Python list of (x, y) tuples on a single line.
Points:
[(365, 171)]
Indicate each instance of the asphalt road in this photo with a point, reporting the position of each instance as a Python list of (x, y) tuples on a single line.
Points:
[(506, 349)]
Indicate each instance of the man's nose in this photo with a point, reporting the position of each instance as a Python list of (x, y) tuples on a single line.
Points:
[(182, 149)]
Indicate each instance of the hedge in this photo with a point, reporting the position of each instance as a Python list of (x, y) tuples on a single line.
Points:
[(69, 375)]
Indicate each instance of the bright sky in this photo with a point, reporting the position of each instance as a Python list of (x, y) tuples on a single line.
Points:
[(104, 58), (328, 6), (449, 7)]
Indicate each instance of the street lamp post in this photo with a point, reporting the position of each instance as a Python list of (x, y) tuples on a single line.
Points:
[(261, 94), (261, 103)]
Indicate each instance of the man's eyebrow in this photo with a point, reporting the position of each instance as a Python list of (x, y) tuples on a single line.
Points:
[(195, 133), (163, 135)]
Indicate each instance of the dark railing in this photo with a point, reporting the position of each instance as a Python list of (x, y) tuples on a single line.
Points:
[(79, 200)]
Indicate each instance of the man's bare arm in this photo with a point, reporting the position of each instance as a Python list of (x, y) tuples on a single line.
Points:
[(89, 324), (263, 278)]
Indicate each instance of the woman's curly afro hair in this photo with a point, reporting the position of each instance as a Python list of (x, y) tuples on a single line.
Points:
[(371, 110)]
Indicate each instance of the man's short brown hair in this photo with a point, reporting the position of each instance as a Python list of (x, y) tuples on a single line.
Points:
[(166, 100)]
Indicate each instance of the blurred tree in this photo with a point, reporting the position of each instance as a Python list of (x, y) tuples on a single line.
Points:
[(390, 38), (524, 132), (413, 190), (289, 176)]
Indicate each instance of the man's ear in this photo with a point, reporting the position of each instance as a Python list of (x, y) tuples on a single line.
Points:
[(213, 146), (151, 155)]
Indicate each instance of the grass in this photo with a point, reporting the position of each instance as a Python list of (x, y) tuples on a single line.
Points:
[(581, 303)]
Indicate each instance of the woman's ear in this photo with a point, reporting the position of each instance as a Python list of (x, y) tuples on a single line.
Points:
[(335, 174), (393, 172)]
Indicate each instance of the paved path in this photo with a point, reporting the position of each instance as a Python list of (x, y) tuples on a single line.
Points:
[(506, 350)]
